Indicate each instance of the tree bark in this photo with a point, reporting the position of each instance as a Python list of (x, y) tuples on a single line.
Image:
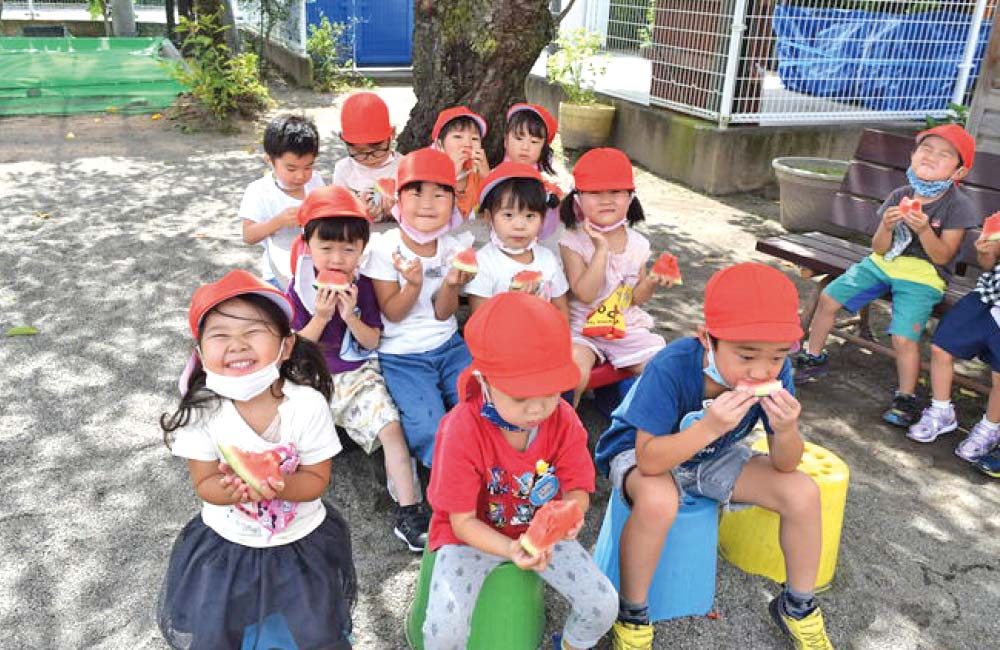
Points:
[(123, 18), (473, 53)]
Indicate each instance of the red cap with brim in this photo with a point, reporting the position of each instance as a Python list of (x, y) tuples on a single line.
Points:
[(752, 302), (551, 125), (425, 166), (233, 284), (603, 169), (455, 112), (364, 119), (330, 201), (521, 344), (505, 171)]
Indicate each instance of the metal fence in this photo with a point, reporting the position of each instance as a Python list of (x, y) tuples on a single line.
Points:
[(289, 30), (800, 61)]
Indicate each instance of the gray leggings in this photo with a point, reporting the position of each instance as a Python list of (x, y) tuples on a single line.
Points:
[(459, 572)]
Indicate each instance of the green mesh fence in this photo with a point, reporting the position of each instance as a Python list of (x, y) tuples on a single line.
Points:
[(60, 76)]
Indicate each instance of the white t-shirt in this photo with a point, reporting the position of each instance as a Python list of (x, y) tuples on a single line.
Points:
[(305, 421), (496, 270), (356, 177), (419, 330), (262, 200)]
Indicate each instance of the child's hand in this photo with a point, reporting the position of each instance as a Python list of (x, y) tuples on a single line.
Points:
[(600, 241), (987, 246), (528, 287), (288, 218), (892, 216), (574, 531), (727, 410), (458, 278), (347, 301), (412, 271), (782, 411), (463, 161), (479, 161), (326, 302), (658, 280), (524, 560), (917, 221), (240, 492)]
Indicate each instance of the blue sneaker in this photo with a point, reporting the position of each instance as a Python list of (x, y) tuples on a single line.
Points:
[(810, 367), (904, 411), (990, 464)]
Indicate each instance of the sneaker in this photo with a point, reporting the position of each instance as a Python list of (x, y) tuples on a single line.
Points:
[(809, 367), (933, 423), (411, 526), (809, 633), (905, 410), (990, 464), (630, 636), (978, 443)]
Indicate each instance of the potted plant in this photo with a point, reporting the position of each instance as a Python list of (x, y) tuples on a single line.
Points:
[(807, 187), (576, 66)]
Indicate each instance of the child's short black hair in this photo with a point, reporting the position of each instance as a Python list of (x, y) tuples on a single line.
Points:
[(415, 185), (342, 229), (531, 122), (463, 123), (291, 133), (568, 216), (520, 194)]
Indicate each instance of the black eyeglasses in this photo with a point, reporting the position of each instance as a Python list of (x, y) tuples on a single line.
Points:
[(371, 154)]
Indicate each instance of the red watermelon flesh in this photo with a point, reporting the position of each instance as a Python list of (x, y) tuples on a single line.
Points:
[(384, 187), (666, 267), (991, 227), (466, 261), (525, 278), (908, 205), (335, 280), (550, 524), (255, 468)]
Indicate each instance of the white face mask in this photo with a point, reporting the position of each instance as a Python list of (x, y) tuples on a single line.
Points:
[(496, 241), (244, 387)]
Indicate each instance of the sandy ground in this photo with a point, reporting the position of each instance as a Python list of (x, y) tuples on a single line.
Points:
[(106, 234)]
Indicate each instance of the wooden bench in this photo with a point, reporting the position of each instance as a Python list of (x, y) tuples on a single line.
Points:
[(879, 166)]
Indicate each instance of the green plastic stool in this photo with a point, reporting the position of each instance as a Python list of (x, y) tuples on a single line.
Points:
[(509, 615)]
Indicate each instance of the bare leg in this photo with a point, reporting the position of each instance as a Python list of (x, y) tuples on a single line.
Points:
[(398, 468), (942, 370), (907, 363), (585, 359), (654, 507), (822, 323), (993, 405)]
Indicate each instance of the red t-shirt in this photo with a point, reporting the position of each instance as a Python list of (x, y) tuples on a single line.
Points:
[(476, 469)]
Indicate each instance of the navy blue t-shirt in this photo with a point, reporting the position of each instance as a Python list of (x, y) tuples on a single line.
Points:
[(670, 396)]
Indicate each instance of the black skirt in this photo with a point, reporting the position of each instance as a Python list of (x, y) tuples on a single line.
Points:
[(299, 596)]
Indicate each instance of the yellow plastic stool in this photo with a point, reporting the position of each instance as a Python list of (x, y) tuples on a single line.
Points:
[(748, 538)]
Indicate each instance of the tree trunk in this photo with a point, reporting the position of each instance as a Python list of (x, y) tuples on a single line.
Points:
[(123, 18), (473, 53)]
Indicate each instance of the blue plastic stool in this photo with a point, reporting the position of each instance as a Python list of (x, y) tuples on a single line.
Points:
[(684, 581), (274, 635)]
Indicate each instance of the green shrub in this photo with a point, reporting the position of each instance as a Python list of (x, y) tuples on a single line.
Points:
[(575, 65), (333, 70)]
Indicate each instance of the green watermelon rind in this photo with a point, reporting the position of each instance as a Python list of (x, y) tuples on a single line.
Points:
[(231, 455)]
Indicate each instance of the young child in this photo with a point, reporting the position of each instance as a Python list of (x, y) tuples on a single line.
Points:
[(969, 329), (910, 254), (459, 133), (278, 559), (367, 133), (680, 425), (417, 290), (530, 132), (269, 206), (514, 202), (605, 262), (335, 230), (510, 446)]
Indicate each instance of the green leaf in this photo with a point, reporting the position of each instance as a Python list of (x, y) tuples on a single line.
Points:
[(21, 330)]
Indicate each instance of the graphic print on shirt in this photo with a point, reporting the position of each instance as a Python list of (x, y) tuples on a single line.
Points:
[(275, 515), (514, 498), (608, 320)]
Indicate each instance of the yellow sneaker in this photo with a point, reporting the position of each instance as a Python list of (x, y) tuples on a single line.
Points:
[(808, 633), (629, 636)]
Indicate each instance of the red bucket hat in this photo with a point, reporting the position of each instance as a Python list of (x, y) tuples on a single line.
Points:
[(330, 201), (603, 169), (364, 119), (959, 138), (752, 302), (426, 165), (551, 124), (521, 344), (505, 171), (455, 112), (235, 283)]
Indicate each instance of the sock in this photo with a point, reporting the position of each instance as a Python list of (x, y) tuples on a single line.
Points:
[(635, 613), (796, 604), (992, 426), (941, 404)]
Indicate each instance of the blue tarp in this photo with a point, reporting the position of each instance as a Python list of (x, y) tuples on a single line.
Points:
[(883, 61)]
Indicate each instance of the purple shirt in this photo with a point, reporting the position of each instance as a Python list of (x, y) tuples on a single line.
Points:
[(333, 334)]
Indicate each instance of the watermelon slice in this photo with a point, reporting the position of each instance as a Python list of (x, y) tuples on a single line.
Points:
[(759, 388), (908, 205), (334, 280), (524, 279), (384, 187), (255, 468), (466, 261), (991, 227), (550, 524), (666, 268)]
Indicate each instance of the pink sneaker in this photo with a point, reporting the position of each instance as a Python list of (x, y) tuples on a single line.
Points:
[(978, 443), (933, 423)]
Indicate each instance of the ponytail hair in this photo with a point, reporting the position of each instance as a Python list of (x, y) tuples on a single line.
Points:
[(305, 366), (567, 212)]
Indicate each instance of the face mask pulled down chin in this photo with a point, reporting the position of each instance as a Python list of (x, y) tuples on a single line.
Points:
[(489, 410), (244, 387), (711, 370), (496, 241), (426, 237)]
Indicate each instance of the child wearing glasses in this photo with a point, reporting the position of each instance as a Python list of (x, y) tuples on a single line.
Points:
[(367, 133)]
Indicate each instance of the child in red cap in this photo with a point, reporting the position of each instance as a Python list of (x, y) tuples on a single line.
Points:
[(276, 557), (514, 202), (912, 249), (347, 325), (367, 133), (417, 287), (681, 424), (509, 446), (459, 133), (605, 262)]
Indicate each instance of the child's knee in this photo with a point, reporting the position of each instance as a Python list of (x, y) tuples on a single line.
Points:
[(800, 496), (940, 354), (828, 304), (655, 508), (905, 344)]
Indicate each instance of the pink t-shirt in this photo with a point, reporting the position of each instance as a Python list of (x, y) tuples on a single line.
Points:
[(622, 268)]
